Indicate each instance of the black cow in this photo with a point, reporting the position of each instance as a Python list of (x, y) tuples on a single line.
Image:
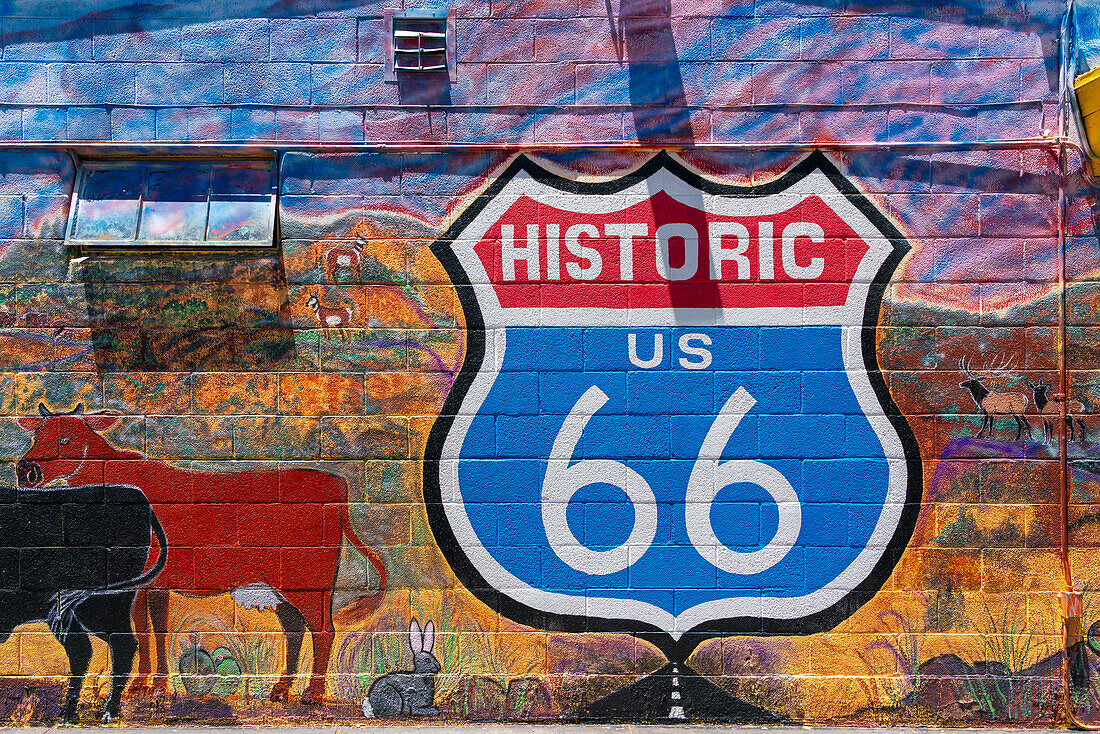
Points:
[(75, 557)]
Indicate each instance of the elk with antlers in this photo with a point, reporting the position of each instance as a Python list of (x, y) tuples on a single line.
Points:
[(1049, 406), (996, 404)]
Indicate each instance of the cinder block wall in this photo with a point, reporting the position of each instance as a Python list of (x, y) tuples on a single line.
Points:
[(192, 368)]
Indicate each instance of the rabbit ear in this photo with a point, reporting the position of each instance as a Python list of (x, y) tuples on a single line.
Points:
[(429, 636), (416, 640)]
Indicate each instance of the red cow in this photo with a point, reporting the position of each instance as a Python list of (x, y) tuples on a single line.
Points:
[(271, 537)]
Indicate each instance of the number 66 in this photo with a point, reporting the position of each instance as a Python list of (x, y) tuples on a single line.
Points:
[(708, 477)]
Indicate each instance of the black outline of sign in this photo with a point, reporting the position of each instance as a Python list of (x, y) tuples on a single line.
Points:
[(675, 650)]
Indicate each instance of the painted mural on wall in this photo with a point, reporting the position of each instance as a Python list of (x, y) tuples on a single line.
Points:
[(274, 556), (425, 368), (612, 467), (262, 487)]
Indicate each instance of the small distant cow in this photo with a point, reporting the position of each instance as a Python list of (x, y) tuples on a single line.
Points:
[(74, 557), (271, 537), (1050, 406), (994, 404)]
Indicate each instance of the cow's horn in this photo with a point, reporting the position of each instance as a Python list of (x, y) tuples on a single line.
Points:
[(79, 409), (42, 411)]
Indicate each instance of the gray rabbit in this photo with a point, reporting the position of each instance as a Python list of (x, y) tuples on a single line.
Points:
[(407, 692)]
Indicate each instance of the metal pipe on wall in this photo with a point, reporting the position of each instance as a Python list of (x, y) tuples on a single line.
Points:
[(150, 148), (1070, 600)]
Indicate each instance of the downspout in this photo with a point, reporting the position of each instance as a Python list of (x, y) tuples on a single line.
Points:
[(1071, 601)]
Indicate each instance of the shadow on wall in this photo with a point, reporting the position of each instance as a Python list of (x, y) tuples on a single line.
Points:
[(424, 89), (643, 21), (196, 313), (657, 97)]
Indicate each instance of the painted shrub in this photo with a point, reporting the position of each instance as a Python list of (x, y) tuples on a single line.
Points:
[(674, 433)]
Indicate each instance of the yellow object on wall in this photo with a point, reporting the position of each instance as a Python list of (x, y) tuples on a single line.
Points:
[(1086, 87)]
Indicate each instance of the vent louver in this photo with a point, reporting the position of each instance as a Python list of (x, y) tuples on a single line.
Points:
[(420, 42)]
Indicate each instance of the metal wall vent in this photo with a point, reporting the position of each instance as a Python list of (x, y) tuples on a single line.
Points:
[(420, 41)]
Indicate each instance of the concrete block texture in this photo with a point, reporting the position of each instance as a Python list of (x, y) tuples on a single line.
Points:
[(268, 408), (653, 371), (631, 53)]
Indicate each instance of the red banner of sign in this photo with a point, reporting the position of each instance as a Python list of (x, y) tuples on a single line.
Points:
[(661, 252)]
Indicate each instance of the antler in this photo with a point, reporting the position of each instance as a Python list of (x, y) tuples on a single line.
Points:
[(999, 367), (1002, 368)]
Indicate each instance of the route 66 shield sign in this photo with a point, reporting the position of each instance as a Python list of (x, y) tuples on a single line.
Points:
[(670, 419)]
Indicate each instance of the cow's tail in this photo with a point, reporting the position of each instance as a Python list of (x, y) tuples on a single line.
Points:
[(162, 557), (62, 614), (365, 603)]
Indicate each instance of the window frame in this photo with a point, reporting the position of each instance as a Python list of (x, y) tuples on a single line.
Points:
[(85, 166)]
